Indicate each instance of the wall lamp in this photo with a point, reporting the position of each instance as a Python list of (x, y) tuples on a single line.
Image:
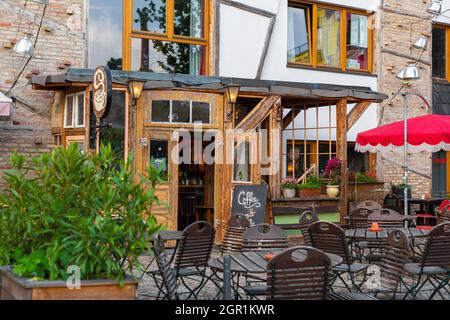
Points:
[(231, 93), (135, 89)]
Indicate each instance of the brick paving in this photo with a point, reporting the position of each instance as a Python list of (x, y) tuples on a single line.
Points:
[(148, 290)]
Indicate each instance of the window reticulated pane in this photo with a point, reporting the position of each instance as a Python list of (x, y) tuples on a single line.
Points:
[(298, 35), (160, 111), (357, 42), (328, 37), (159, 153), (167, 57), (242, 162), (69, 111), (439, 56), (181, 111), (149, 15), (189, 18), (80, 110), (200, 112), (115, 135)]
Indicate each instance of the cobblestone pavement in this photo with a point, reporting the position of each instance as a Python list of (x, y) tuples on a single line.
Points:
[(148, 289)]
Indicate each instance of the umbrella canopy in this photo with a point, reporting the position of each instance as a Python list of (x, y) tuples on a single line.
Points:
[(430, 133)]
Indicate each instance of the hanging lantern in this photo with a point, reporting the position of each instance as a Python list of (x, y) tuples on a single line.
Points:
[(24, 46)]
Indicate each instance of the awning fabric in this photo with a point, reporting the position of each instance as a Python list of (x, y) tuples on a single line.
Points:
[(5, 105), (429, 133)]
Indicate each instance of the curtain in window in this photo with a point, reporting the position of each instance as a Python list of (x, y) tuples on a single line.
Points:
[(328, 37), (196, 56)]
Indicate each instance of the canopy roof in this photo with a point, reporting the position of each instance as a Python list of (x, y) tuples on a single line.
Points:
[(207, 83)]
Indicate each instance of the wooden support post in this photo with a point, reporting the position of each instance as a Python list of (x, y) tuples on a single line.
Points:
[(357, 112), (341, 153)]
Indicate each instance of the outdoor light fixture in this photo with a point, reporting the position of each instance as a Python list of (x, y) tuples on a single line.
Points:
[(135, 89), (231, 92), (422, 42), (24, 46), (409, 73), (435, 7), (41, 1)]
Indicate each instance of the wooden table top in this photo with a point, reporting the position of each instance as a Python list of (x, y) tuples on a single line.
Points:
[(365, 234), (254, 262)]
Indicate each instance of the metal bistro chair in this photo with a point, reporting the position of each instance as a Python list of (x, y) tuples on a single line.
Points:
[(434, 267), (292, 277), (443, 212), (232, 241), (358, 219), (167, 273), (392, 265), (369, 204), (264, 237), (192, 255), (307, 218), (330, 238)]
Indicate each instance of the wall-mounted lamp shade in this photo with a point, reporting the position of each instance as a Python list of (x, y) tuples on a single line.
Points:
[(135, 89), (422, 42), (41, 1), (409, 73), (435, 7), (24, 46), (231, 93)]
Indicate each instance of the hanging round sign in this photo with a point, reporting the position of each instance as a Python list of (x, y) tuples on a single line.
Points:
[(102, 91)]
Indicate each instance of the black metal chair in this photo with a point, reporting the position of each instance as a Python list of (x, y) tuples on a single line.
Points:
[(192, 255), (232, 240), (264, 237), (434, 267), (330, 238), (307, 218), (167, 273)]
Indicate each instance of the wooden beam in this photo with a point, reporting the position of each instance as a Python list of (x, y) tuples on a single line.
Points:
[(356, 113), (266, 47), (248, 8), (258, 114), (341, 153), (287, 120)]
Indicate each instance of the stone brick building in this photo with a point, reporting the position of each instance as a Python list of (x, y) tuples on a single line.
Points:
[(61, 44)]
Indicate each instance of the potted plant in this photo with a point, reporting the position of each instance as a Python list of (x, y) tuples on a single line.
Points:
[(311, 188), (399, 190), (333, 173), (289, 185), (73, 226)]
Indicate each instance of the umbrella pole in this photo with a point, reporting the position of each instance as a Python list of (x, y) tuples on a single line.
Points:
[(405, 159)]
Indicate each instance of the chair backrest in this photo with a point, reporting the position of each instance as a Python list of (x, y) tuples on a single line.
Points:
[(358, 217), (330, 238), (391, 201), (232, 241), (298, 273), (307, 218), (443, 212), (437, 251), (195, 247), (395, 256), (168, 275), (368, 204), (264, 236), (386, 218), (283, 211)]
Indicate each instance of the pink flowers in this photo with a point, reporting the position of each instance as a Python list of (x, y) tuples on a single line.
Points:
[(289, 183), (333, 171)]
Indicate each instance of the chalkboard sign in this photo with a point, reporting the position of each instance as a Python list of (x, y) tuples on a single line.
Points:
[(251, 201)]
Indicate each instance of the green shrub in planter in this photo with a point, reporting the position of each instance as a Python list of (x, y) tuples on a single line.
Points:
[(69, 208)]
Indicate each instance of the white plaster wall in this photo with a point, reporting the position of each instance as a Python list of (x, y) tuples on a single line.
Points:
[(242, 36)]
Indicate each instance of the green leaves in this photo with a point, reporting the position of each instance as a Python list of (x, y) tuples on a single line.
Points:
[(76, 209)]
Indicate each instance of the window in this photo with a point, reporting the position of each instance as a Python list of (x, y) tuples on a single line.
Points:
[(115, 134), (168, 36), (179, 111), (439, 52), (242, 166), (74, 111), (105, 33), (159, 152), (328, 37)]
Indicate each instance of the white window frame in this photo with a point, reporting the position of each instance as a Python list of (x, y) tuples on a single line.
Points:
[(150, 120), (75, 123)]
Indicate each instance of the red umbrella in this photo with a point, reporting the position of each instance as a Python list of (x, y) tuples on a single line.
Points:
[(429, 133)]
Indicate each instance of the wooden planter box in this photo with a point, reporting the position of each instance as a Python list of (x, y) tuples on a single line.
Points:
[(16, 288), (309, 193), (366, 191)]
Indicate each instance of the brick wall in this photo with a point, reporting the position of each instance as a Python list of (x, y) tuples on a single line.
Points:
[(391, 55), (61, 44)]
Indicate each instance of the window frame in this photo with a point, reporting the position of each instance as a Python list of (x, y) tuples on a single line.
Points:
[(149, 119), (312, 28), (75, 97), (129, 33), (447, 50)]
